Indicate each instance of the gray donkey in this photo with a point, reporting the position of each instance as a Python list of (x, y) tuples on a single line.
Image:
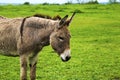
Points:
[(25, 37)]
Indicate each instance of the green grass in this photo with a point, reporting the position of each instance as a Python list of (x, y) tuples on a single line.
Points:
[(95, 44)]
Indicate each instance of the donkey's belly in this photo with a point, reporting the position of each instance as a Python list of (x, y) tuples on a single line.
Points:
[(9, 53), (8, 47)]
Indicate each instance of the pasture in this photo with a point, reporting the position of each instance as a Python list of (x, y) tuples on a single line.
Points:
[(95, 43)]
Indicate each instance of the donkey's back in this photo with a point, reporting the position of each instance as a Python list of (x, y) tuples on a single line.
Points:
[(9, 35)]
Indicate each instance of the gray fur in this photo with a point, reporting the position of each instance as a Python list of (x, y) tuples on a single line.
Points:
[(36, 33), (32, 36)]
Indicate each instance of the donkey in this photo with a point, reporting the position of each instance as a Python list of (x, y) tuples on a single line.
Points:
[(25, 37)]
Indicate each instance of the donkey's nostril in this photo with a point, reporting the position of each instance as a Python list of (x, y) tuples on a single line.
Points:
[(68, 57)]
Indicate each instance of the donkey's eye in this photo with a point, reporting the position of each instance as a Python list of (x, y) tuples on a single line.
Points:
[(61, 38)]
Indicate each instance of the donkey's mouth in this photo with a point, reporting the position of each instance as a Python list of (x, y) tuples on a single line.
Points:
[(66, 59)]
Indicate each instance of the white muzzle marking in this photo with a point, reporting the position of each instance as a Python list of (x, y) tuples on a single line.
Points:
[(65, 54)]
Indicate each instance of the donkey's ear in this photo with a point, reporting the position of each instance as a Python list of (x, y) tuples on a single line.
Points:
[(63, 21), (69, 20)]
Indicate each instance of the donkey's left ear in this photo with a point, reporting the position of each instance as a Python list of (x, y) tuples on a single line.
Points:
[(63, 21), (69, 20)]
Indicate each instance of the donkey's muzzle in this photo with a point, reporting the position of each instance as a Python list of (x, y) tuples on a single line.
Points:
[(65, 56), (66, 59)]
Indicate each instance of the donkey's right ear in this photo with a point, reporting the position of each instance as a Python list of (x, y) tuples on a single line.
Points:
[(62, 22)]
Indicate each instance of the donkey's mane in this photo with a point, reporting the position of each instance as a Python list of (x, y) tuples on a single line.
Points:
[(57, 17), (42, 16)]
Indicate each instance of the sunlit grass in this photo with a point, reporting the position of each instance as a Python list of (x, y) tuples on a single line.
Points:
[(95, 44)]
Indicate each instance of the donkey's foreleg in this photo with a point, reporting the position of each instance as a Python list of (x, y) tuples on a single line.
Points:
[(23, 65), (32, 64)]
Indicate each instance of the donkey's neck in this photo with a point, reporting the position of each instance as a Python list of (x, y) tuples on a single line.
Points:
[(42, 27), (40, 23)]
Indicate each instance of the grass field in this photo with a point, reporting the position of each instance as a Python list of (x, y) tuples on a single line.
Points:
[(95, 44)]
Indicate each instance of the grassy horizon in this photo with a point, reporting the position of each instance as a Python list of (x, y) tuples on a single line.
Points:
[(95, 43)]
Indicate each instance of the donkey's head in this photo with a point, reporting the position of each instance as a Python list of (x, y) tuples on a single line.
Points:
[(60, 39)]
